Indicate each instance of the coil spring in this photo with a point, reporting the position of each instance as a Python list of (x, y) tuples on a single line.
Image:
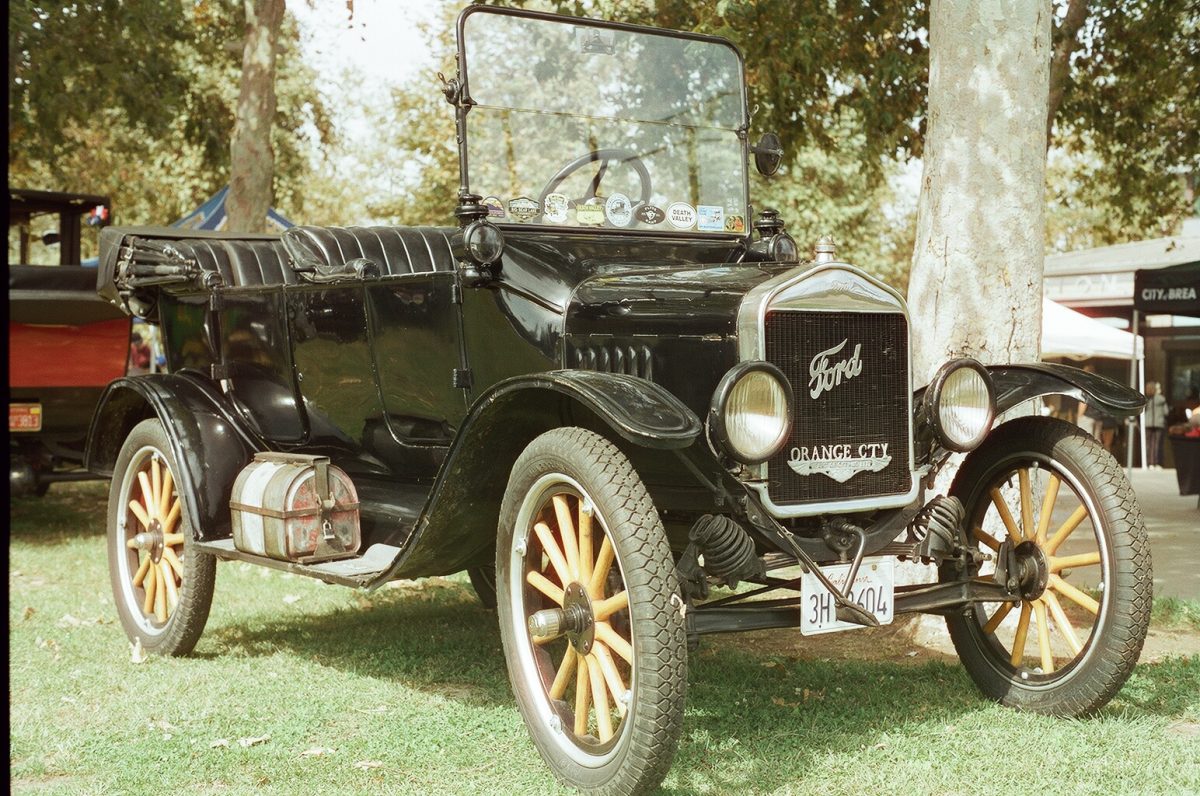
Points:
[(942, 517), (728, 550)]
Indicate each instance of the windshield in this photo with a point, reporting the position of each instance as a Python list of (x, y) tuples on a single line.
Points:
[(576, 124)]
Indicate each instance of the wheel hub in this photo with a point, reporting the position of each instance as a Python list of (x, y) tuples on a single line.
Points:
[(151, 541), (1033, 569), (575, 620)]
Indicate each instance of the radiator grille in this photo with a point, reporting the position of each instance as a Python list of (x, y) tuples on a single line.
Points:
[(870, 408)]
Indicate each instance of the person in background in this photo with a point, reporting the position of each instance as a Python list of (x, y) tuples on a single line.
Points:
[(1155, 418), (139, 355)]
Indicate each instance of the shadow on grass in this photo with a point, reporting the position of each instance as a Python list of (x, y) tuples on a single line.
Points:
[(772, 708), (67, 512)]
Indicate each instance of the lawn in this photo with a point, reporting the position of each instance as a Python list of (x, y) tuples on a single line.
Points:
[(302, 688)]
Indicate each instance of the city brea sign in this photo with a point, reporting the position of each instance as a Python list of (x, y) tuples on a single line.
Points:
[(841, 461)]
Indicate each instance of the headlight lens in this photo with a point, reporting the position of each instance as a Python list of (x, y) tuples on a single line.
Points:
[(752, 410), (964, 405)]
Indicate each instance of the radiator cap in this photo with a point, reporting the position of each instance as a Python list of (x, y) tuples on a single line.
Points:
[(826, 250)]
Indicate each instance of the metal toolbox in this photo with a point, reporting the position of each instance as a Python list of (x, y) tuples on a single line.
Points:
[(295, 507)]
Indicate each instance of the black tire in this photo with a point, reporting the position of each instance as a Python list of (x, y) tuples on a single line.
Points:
[(1088, 672), (483, 581), (192, 573), (591, 476)]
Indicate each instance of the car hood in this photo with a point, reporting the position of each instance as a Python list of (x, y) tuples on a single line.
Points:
[(667, 300)]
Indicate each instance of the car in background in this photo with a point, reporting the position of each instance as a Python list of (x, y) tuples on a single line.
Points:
[(65, 343)]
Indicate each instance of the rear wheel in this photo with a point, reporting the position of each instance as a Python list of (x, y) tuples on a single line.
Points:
[(596, 649), (1063, 504), (163, 586)]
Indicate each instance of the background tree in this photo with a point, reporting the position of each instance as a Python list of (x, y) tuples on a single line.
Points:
[(977, 268), (252, 161), (135, 99)]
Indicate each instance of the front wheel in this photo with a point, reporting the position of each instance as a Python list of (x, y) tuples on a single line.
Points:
[(162, 584), (1062, 504), (589, 618)]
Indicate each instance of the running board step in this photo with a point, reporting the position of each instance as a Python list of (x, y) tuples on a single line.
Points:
[(357, 571)]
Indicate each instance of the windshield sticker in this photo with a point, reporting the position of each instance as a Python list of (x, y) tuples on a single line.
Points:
[(618, 210), (592, 215), (681, 215), (522, 208), (495, 207), (556, 208), (735, 223), (711, 218), (649, 214)]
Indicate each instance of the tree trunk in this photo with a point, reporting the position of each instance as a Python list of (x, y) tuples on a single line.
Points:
[(976, 284), (1066, 40), (252, 166)]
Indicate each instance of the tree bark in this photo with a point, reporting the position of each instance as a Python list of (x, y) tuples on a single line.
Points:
[(976, 284), (252, 165), (1067, 40)]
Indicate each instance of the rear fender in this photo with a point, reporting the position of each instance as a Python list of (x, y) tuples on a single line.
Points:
[(206, 440), (457, 529)]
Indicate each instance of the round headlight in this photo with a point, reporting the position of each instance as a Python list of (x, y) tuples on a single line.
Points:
[(752, 412), (962, 404)]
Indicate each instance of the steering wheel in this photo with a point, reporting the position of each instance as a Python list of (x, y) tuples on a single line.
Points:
[(604, 157)]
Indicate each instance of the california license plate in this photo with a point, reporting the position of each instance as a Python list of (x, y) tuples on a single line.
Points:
[(874, 589), (24, 417)]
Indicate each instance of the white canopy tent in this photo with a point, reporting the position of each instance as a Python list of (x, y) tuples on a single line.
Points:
[(1071, 334)]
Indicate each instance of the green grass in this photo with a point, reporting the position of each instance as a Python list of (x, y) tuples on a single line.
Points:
[(413, 679), (1173, 613)]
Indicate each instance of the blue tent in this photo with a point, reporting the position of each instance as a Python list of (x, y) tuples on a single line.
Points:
[(211, 215)]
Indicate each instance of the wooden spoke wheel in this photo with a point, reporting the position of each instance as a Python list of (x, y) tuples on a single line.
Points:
[(163, 586), (1056, 506), (596, 650)]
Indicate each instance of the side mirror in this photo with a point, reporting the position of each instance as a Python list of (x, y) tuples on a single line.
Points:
[(768, 154)]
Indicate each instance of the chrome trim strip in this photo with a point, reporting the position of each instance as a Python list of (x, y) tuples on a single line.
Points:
[(824, 287)]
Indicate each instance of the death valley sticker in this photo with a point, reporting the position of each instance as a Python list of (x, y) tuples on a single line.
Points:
[(522, 208), (711, 218), (681, 215), (650, 215), (556, 208), (590, 215), (618, 210), (494, 206)]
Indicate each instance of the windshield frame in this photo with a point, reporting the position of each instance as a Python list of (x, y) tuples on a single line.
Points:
[(465, 104)]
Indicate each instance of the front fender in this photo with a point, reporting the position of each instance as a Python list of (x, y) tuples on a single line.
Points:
[(457, 528), (1017, 383), (1014, 384), (206, 440)]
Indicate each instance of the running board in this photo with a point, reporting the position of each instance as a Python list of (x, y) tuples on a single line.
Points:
[(356, 572)]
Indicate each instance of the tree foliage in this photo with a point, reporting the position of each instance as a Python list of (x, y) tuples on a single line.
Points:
[(135, 99)]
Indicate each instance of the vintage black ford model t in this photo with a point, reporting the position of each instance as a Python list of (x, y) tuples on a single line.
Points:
[(610, 390)]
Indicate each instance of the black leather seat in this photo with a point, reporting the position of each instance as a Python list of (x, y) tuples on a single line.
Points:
[(396, 250), (241, 263)]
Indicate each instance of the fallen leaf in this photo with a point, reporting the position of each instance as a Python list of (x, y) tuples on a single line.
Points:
[(248, 742), (770, 664), (28, 612), (368, 764), (317, 751), (136, 653), (291, 598), (911, 654), (781, 703), (220, 743), (68, 621)]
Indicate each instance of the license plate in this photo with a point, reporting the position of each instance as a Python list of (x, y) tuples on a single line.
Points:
[(24, 417), (874, 588)]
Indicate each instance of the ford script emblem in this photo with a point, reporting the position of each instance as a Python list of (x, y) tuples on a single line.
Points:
[(824, 376)]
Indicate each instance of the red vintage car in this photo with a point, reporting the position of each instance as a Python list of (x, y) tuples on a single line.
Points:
[(65, 343)]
